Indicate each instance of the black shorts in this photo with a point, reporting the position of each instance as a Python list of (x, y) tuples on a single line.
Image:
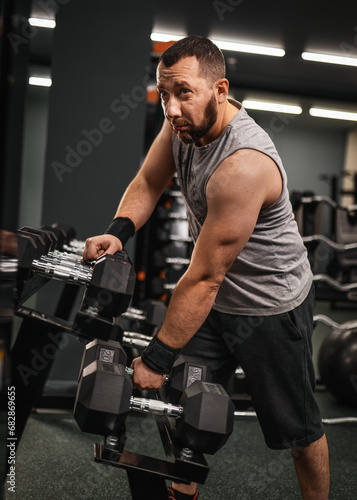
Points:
[(275, 353)]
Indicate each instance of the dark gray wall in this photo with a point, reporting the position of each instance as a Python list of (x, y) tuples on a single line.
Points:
[(33, 158), (97, 110)]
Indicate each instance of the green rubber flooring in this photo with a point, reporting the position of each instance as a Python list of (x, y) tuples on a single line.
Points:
[(55, 461)]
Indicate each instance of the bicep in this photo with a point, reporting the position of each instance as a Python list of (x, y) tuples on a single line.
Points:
[(235, 196)]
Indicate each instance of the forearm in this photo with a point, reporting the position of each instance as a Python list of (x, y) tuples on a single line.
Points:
[(138, 202), (189, 306)]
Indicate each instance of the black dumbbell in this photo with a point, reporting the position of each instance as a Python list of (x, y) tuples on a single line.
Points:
[(64, 234), (205, 412), (104, 389), (110, 280), (185, 371), (30, 247), (48, 237), (112, 284)]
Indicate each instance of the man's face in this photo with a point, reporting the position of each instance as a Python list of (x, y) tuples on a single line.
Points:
[(187, 99)]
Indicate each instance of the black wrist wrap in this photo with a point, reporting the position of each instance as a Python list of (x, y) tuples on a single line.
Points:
[(123, 228), (159, 357)]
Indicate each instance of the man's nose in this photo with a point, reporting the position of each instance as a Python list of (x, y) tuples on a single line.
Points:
[(173, 108)]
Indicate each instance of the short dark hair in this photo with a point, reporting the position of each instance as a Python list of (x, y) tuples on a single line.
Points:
[(209, 56)]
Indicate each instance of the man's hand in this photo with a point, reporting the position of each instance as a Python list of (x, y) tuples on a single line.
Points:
[(98, 245), (144, 378)]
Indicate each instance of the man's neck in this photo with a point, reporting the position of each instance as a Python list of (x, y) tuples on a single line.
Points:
[(225, 115)]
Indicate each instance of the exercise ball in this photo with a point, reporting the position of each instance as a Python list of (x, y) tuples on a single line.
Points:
[(337, 363)]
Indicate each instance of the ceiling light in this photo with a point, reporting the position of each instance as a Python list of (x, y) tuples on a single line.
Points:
[(165, 37), (42, 23), (250, 49), (272, 106), (40, 81), (233, 46), (333, 113), (329, 58)]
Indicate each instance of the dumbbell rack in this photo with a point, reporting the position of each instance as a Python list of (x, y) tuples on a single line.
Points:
[(104, 371), (146, 473), (40, 335)]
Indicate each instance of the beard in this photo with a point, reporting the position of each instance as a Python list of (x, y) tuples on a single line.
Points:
[(195, 133)]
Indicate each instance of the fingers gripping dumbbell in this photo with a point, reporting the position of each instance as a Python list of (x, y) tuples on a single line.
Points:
[(204, 414), (185, 371), (104, 395)]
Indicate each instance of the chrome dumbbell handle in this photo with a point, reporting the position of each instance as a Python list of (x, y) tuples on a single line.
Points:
[(69, 257), (155, 407), (138, 336), (180, 261), (63, 270), (141, 344), (136, 339), (133, 313), (75, 247)]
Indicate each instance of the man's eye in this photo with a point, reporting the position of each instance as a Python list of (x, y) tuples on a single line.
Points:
[(185, 91), (163, 94)]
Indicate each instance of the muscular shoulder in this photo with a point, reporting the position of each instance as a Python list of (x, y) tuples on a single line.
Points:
[(247, 172)]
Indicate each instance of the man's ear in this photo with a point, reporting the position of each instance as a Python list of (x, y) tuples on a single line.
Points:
[(221, 86)]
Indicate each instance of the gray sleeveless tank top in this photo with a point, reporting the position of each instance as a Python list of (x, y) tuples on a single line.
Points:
[(272, 273)]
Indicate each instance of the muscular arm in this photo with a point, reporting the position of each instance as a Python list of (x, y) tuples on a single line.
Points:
[(142, 194), (236, 192), (242, 185)]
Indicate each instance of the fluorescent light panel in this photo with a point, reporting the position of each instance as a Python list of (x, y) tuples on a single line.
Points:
[(42, 23), (165, 37), (236, 47), (249, 49), (333, 113), (40, 81), (329, 58), (272, 106)]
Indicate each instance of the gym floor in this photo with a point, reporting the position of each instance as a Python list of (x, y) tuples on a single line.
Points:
[(55, 460)]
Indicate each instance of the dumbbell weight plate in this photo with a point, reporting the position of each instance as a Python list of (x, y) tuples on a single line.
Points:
[(208, 418), (112, 284), (185, 371), (108, 351), (103, 398)]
